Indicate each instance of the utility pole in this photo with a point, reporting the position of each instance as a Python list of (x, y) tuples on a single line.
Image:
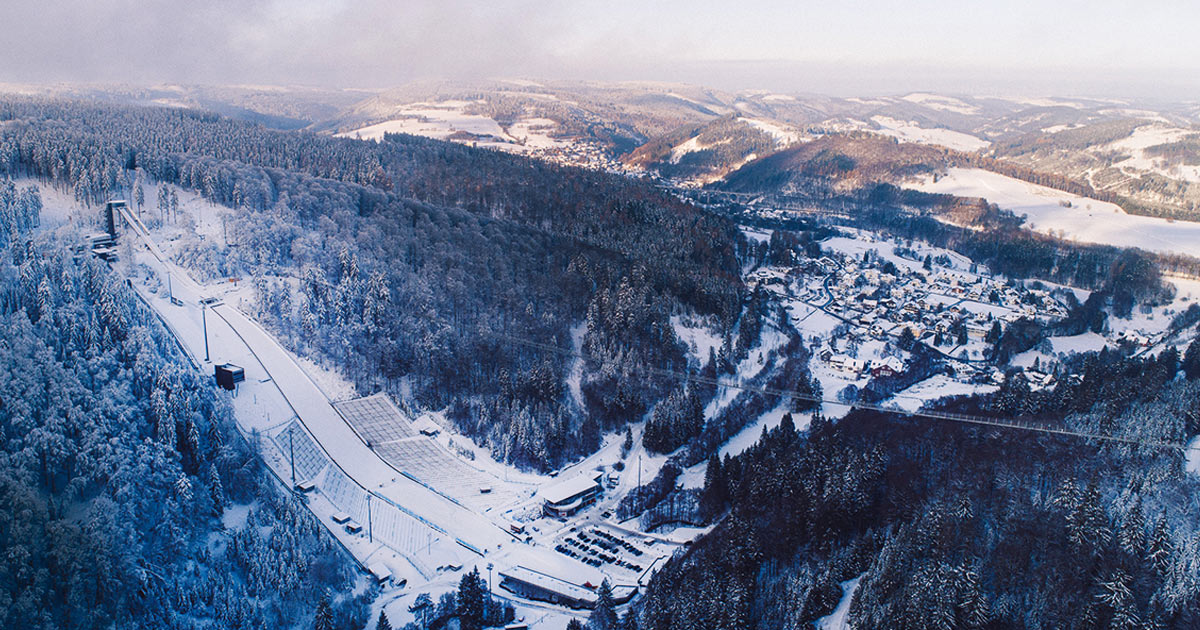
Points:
[(292, 453), (204, 319), (639, 486), (370, 532), (170, 293)]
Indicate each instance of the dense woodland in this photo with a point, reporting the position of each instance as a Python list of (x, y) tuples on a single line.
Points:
[(130, 498), (410, 264), (835, 165), (948, 526)]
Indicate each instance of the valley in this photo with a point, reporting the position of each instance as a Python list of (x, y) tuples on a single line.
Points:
[(604, 342)]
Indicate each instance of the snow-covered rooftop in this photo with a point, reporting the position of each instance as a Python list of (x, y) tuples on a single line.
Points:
[(569, 488), (550, 583)]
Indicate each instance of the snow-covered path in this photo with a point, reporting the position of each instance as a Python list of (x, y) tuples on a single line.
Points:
[(837, 619)]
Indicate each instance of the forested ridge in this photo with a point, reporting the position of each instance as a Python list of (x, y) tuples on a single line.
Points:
[(402, 261), (130, 498), (948, 526)]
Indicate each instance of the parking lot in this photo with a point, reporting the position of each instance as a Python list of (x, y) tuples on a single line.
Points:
[(615, 552)]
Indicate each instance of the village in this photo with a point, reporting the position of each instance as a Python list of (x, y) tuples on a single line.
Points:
[(868, 302)]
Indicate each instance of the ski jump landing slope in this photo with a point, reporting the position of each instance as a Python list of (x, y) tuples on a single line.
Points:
[(345, 447), (306, 400)]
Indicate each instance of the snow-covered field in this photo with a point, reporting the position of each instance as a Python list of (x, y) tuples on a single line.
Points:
[(941, 103), (1086, 220), (1156, 321), (757, 235), (1150, 135), (810, 320), (782, 134), (907, 131), (699, 339), (691, 145), (534, 133), (857, 242), (1075, 344), (575, 376), (444, 119), (749, 435), (935, 387), (432, 120)]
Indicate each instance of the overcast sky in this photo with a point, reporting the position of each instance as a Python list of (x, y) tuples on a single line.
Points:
[(837, 46)]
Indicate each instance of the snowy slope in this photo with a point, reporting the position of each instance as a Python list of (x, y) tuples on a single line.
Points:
[(432, 120), (912, 132), (935, 387), (1087, 220), (1147, 136), (749, 435), (941, 103)]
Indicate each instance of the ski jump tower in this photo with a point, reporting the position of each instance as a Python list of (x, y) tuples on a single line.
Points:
[(104, 244), (110, 217)]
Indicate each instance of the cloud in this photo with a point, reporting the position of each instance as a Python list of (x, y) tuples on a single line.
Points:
[(864, 45), (373, 42)]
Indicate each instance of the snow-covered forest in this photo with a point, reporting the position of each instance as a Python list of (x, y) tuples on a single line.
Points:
[(951, 527), (130, 499), (406, 263)]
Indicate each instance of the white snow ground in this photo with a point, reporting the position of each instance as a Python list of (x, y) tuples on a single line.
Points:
[(783, 135), (1193, 456), (941, 103), (432, 120), (697, 337), (575, 376), (935, 387), (907, 131), (1087, 220), (1075, 344), (837, 619)]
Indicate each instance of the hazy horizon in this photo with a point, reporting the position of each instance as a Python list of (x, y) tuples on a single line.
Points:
[(858, 48)]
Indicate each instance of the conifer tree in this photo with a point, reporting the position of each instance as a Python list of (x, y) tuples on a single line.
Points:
[(603, 616), (471, 593), (323, 618), (1191, 360), (216, 491)]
